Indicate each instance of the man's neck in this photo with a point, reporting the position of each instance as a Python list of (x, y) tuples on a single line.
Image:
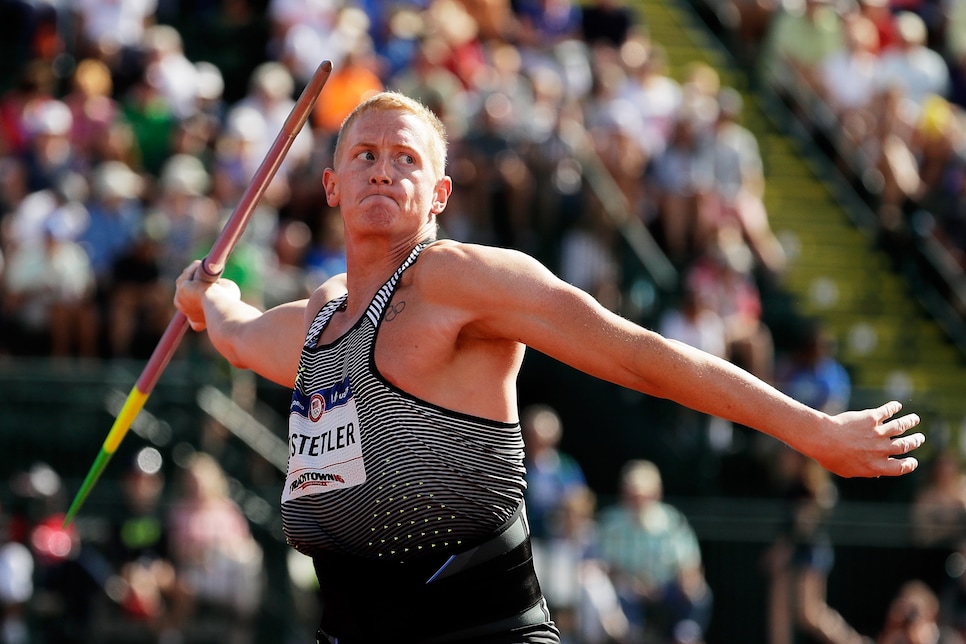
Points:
[(369, 264)]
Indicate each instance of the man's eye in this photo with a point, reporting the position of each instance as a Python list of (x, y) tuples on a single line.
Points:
[(366, 156), (407, 158)]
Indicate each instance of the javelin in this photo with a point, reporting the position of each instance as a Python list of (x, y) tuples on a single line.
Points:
[(212, 267)]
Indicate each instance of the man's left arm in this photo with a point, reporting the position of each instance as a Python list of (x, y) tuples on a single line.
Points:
[(517, 298)]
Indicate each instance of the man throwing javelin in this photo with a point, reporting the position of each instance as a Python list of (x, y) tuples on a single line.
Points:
[(405, 476)]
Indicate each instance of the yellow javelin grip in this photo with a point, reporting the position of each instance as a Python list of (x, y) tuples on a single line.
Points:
[(132, 406)]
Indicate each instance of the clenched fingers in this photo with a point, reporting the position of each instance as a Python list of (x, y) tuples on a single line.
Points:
[(187, 300)]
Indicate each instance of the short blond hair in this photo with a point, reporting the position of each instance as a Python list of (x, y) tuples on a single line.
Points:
[(388, 101)]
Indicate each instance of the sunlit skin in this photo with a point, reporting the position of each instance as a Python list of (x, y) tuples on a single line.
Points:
[(463, 315)]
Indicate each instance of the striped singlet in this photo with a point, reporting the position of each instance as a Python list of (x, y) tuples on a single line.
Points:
[(383, 488)]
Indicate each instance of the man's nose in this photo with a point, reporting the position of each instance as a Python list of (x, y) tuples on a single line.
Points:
[(380, 173)]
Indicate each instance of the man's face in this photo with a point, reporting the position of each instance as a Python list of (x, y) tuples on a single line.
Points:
[(384, 175)]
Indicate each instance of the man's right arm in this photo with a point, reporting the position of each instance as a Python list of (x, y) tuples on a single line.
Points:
[(268, 343)]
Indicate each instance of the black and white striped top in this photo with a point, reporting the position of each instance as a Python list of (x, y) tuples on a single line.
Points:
[(380, 474)]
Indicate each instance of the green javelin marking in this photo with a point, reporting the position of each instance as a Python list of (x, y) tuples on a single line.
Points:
[(135, 401)]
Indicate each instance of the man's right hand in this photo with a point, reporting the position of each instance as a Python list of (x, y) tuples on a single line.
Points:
[(191, 292)]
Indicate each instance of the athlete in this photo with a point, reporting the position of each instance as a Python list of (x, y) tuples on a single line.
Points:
[(405, 478)]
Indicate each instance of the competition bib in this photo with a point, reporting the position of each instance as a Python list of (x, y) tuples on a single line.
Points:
[(325, 448)]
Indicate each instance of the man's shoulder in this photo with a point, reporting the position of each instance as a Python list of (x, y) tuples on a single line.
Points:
[(451, 257), (451, 251), (333, 287)]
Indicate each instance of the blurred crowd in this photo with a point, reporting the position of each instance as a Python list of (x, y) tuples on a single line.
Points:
[(632, 570), (129, 130), (883, 84), (167, 554), (129, 134)]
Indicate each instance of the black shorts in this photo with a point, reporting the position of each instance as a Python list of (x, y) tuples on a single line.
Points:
[(486, 595)]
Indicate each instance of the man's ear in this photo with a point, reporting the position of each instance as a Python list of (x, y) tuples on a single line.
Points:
[(331, 186), (444, 188)]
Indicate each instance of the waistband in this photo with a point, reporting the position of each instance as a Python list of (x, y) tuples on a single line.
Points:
[(534, 616), (366, 601)]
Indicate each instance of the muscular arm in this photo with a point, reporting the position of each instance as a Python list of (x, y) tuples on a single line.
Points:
[(268, 343), (509, 295)]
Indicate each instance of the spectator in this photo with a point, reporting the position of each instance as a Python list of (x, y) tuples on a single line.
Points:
[(354, 80), (93, 109), (749, 21), (31, 212), (210, 107), (326, 257), (152, 121), (551, 473), (168, 69), (848, 81), (213, 550), (140, 301), (461, 33), (270, 95), (913, 617), (917, 70), (616, 130), (952, 597), (48, 296), (50, 153), (892, 153), (397, 35), (495, 19), (695, 321), (71, 577), (724, 275), (938, 143), (16, 589), (655, 560), (236, 158), (428, 80), (800, 559), (680, 177), (881, 15), (653, 91), (35, 85), (29, 31), (138, 544), (800, 36), (579, 591), (503, 185), (506, 75), (303, 34), (938, 515), (182, 213), (736, 196), (115, 216), (813, 375), (587, 260), (940, 140), (286, 272)]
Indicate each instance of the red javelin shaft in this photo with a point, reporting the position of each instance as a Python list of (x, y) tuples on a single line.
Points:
[(212, 268)]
